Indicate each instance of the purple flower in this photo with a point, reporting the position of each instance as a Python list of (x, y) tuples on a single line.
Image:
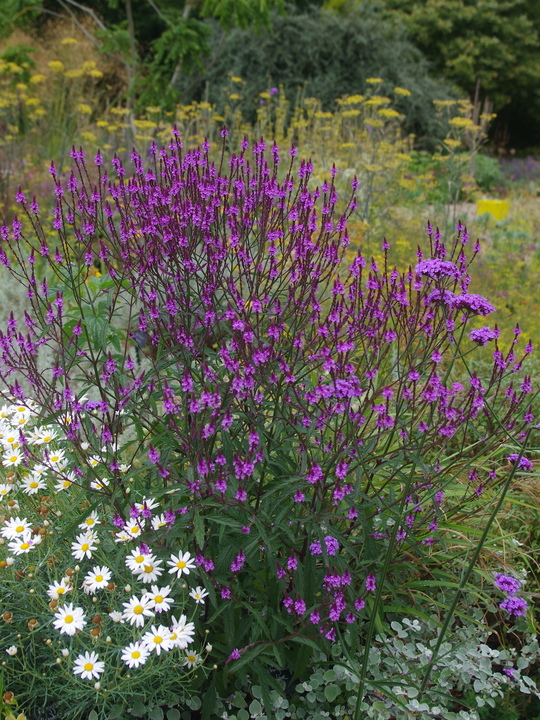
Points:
[(153, 455), (371, 583), (235, 655), (475, 304), (514, 605), (483, 335), (507, 583), (524, 463), (510, 672), (437, 269)]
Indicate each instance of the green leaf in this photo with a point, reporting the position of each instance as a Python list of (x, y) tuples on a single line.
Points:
[(138, 709), (255, 707), (198, 526), (173, 714), (93, 715), (194, 703), (331, 692), (156, 713)]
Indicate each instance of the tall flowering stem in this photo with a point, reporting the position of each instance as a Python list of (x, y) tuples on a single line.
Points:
[(307, 420)]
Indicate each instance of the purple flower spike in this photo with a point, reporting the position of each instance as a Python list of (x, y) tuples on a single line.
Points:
[(514, 605), (507, 583)]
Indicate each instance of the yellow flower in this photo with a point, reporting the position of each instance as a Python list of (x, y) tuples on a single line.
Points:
[(144, 124), (402, 91), (374, 81), (32, 101), (102, 123), (320, 114), (88, 136), (153, 109), (95, 73), (265, 95), (73, 73), (353, 100), (120, 111), (462, 122), (56, 65), (21, 86), (378, 100), (84, 108), (68, 41), (350, 113), (234, 96), (237, 79), (36, 79), (388, 113)]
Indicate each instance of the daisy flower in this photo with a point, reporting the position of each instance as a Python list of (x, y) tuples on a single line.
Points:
[(159, 598), (99, 484), (116, 617), (69, 619), (181, 563), (56, 457), (12, 457), (88, 666), (157, 639), (147, 503), (136, 560), (122, 536), (91, 520), (136, 610), (198, 594), (150, 571), (57, 589), (182, 632), (65, 481), (133, 529), (30, 484), (24, 544), (45, 435), (10, 437), (135, 654), (94, 460), (192, 659), (159, 521), (96, 579), (83, 545), (5, 489), (14, 527)]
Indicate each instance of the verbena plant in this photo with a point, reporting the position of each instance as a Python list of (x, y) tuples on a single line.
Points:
[(295, 437)]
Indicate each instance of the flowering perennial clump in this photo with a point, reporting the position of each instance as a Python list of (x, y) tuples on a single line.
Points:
[(298, 430)]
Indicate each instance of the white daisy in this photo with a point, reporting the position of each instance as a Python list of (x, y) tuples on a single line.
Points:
[(159, 521), (198, 594), (91, 520), (15, 527), (31, 484), (69, 619), (192, 659), (135, 654), (150, 571), (148, 503), (116, 617), (12, 458), (157, 639), (159, 598), (56, 457), (46, 435), (122, 536), (24, 544), (5, 489), (99, 484), (96, 579), (181, 563), (83, 546), (182, 632), (57, 589), (133, 529), (136, 560), (10, 438), (88, 666), (94, 460), (65, 481), (136, 610)]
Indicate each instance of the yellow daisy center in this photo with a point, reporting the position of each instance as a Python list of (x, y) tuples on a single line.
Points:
[(158, 598), (99, 578), (25, 546), (135, 654), (19, 528), (139, 559), (68, 618), (13, 458), (158, 639), (89, 666), (33, 484), (191, 658), (148, 568), (138, 609), (60, 590), (84, 547), (180, 564)]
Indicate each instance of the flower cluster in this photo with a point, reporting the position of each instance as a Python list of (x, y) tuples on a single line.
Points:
[(512, 604)]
